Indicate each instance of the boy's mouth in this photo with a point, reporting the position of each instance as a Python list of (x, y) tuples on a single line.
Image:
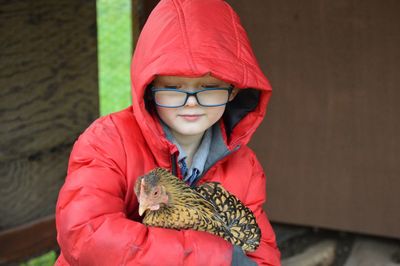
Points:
[(191, 117)]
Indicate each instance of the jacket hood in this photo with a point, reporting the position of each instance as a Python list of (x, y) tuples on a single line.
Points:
[(192, 38)]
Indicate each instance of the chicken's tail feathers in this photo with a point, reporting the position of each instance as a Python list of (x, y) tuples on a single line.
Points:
[(240, 225)]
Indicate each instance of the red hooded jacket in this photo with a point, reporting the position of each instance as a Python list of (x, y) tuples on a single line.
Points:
[(97, 210)]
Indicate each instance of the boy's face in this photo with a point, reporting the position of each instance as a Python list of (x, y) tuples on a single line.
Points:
[(191, 119)]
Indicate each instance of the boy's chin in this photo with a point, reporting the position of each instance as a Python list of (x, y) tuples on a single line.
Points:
[(191, 131)]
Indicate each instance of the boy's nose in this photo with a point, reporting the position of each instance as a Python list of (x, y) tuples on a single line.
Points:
[(191, 101)]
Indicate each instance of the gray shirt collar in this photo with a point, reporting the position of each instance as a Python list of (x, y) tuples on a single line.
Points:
[(200, 156)]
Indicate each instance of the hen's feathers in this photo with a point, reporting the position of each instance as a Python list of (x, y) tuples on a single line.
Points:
[(238, 218), (208, 207)]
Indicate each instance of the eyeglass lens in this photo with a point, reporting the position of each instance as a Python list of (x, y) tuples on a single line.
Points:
[(177, 98)]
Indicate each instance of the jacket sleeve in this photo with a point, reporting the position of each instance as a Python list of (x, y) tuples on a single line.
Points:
[(92, 227), (267, 253)]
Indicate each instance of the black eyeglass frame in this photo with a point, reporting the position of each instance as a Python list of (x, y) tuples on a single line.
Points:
[(188, 94)]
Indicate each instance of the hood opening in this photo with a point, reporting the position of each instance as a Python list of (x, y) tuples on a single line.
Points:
[(148, 100), (246, 101)]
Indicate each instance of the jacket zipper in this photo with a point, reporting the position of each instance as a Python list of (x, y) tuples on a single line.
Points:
[(173, 165)]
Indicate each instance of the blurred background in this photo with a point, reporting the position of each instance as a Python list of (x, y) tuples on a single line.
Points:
[(329, 145)]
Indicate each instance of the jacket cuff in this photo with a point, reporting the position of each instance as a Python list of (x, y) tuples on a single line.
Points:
[(239, 258)]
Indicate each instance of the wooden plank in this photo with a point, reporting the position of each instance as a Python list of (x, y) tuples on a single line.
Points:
[(24, 241), (29, 186), (330, 142), (48, 74)]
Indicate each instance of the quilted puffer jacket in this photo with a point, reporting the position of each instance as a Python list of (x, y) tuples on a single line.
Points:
[(97, 211)]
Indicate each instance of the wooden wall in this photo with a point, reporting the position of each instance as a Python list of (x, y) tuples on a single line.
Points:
[(330, 143), (48, 96)]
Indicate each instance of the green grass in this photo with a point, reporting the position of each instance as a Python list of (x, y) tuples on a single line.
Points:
[(47, 259), (114, 50)]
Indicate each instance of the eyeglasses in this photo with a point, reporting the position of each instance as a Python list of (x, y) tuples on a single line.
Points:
[(173, 98)]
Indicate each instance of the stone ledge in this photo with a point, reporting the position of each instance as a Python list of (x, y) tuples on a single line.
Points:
[(321, 254)]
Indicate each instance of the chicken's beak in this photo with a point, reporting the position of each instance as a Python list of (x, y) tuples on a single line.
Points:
[(142, 209), (143, 204), (142, 199)]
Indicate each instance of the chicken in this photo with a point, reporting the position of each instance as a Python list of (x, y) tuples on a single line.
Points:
[(168, 202)]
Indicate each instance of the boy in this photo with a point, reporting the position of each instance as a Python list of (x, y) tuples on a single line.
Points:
[(198, 96)]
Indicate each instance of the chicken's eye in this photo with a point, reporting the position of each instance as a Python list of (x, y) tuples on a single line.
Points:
[(155, 193)]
